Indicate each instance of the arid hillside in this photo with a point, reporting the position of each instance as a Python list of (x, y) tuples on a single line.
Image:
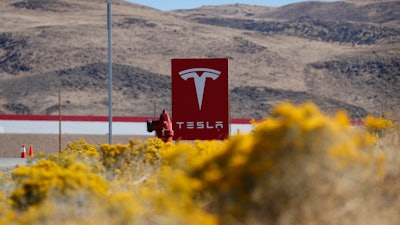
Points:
[(340, 55)]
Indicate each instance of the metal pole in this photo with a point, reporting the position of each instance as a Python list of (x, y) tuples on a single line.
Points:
[(109, 26)]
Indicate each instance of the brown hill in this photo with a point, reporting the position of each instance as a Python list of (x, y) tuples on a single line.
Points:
[(340, 55)]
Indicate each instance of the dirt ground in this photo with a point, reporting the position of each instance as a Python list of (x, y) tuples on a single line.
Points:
[(11, 144)]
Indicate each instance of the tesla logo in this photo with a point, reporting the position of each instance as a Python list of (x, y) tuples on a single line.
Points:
[(199, 80)]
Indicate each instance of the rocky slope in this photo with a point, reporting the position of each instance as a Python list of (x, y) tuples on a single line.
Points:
[(340, 55)]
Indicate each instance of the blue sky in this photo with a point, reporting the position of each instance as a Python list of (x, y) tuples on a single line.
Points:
[(188, 4)]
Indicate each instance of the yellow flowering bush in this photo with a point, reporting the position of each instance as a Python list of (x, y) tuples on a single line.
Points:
[(158, 187), (6, 214), (37, 182), (297, 166), (294, 150), (120, 157), (378, 125), (77, 151), (81, 149)]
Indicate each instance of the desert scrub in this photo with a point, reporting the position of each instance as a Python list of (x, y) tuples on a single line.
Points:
[(189, 154), (297, 166), (154, 188), (77, 151), (290, 157), (39, 181), (124, 156), (136, 159), (172, 192), (378, 125), (80, 149), (6, 212), (57, 190)]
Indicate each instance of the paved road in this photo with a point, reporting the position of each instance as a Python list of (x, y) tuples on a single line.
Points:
[(7, 164)]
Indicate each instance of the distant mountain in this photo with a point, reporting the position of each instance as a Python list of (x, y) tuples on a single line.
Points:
[(340, 55)]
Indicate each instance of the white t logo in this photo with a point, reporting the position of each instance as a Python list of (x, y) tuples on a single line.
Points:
[(199, 81)]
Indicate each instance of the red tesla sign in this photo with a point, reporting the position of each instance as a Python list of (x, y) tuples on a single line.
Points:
[(200, 101)]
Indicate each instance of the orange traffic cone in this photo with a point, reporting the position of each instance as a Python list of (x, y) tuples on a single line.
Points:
[(23, 152), (30, 154)]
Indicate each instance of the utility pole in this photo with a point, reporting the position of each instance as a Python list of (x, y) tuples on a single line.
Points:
[(109, 26)]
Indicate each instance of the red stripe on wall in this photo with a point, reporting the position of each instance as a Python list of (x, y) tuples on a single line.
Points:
[(117, 119), (73, 118)]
